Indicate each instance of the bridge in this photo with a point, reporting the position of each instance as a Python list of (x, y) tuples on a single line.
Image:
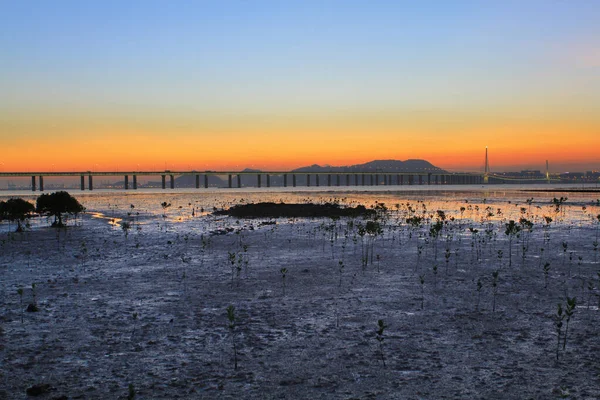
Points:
[(263, 178)]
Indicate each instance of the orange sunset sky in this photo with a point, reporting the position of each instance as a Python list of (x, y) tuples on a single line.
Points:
[(273, 85)]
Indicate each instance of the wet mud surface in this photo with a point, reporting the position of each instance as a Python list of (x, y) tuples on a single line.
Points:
[(149, 310)]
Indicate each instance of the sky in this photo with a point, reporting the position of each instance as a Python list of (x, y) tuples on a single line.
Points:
[(276, 85)]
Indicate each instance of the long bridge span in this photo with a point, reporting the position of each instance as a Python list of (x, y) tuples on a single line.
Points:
[(263, 178)]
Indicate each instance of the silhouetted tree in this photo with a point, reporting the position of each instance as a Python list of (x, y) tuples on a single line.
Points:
[(16, 210), (56, 204)]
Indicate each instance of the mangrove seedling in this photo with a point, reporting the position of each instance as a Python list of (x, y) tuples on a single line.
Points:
[(134, 316), (126, 226), (32, 307), (494, 289), (512, 229), (422, 280), (380, 329), (231, 319), (20, 293), (558, 204), (558, 323), (283, 274), (546, 272), (479, 287), (232, 259), (569, 310), (130, 392)]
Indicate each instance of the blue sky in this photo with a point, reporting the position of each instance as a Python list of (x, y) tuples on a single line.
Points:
[(201, 60)]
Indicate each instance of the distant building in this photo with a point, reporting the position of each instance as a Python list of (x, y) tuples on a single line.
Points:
[(572, 176), (532, 174)]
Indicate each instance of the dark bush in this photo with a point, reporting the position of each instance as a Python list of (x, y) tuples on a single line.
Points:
[(58, 204)]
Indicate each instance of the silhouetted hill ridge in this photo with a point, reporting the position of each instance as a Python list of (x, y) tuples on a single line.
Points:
[(411, 165)]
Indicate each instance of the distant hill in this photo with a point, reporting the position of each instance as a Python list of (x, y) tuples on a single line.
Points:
[(391, 166)]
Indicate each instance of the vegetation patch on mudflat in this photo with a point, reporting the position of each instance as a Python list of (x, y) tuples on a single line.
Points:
[(283, 210)]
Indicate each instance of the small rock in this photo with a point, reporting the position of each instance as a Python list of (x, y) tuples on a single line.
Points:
[(38, 389), (32, 308)]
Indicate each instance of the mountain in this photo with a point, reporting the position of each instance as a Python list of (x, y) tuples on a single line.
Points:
[(391, 166)]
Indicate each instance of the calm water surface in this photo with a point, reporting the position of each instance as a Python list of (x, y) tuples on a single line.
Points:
[(191, 206)]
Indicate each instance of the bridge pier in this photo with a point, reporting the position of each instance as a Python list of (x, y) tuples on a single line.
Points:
[(134, 182), (268, 180), (362, 179), (205, 181), (90, 182), (41, 183), (317, 179), (328, 179), (376, 180), (284, 180), (347, 179), (164, 182), (294, 180), (126, 182), (172, 181), (337, 182), (229, 181), (82, 182), (307, 180), (33, 183), (239, 181), (258, 178), (197, 181)]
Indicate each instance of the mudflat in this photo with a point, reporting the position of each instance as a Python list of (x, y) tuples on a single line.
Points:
[(469, 311)]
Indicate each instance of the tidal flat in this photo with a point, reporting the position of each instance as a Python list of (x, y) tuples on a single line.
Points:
[(132, 298)]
